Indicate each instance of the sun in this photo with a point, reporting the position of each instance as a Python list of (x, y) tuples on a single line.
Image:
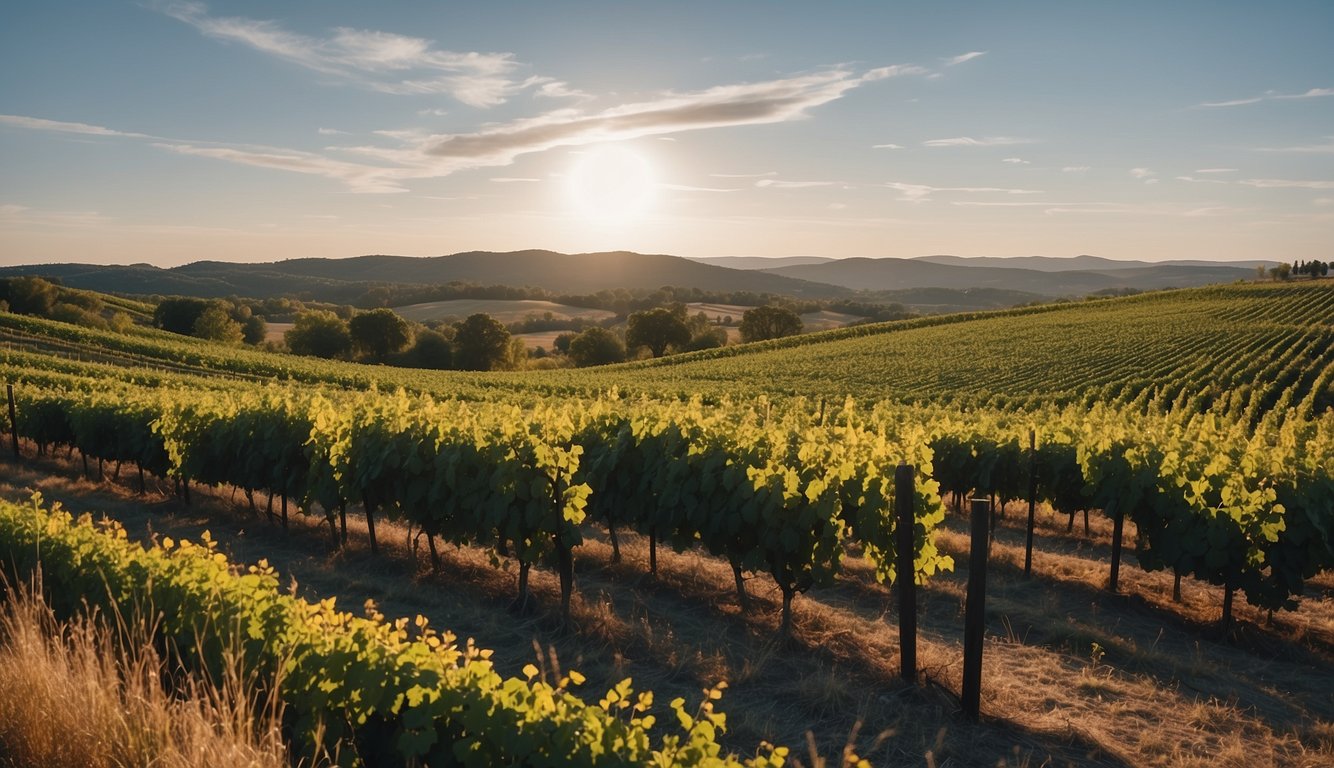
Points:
[(611, 186)]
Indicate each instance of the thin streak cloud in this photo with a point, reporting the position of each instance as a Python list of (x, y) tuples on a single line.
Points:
[(58, 126), (1313, 93), (383, 61), (963, 57), (969, 141)]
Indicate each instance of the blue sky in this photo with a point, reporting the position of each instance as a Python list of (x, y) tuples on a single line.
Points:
[(168, 132)]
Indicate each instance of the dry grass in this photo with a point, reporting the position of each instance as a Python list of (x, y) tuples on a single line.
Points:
[(1073, 675), (77, 694)]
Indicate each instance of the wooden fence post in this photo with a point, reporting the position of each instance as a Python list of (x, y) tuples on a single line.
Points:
[(1032, 499), (13, 421), (905, 532), (1118, 528), (975, 616)]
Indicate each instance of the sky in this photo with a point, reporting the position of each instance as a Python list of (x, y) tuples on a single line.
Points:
[(169, 131)]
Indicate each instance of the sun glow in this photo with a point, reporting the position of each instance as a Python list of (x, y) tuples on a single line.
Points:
[(611, 186)]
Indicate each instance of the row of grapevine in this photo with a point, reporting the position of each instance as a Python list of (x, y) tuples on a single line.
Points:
[(772, 490), (1242, 506), (773, 493), (371, 691)]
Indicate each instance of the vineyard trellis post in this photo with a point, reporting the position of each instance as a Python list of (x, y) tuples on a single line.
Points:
[(1118, 528), (1032, 499), (13, 421), (975, 619), (905, 531)]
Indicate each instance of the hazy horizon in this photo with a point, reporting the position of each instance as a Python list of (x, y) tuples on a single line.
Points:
[(169, 132)]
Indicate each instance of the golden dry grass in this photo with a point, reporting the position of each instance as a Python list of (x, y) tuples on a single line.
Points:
[(1073, 675), (78, 693)]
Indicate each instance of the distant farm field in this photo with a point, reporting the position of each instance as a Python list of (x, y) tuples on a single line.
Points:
[(505, 311)]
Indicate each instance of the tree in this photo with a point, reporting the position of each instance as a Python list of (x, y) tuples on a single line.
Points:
[(596, 346), (179, 315), (379, 333), (31, 295), (562, 342), (216, 324), (763, 323), (319, 333), (254, 329), (481, 344), (430, 349), (1282, 271), (657, 329), (707, 339)]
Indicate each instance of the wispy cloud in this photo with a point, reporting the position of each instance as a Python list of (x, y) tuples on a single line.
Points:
[(886, 146), (383, 61), (1075, 169), (359, 177), (1271, 96), (1142, 173), (416, 155), (1216, 170), (961, 58), (1287, 184), (743, 175), (969, 141), (1015, 161), (1315, 149), (1194, 180), (779, 184), (689, 188), (58, 126), (22, 215), (513, 179), (771, 101), (918, 193), (331, 132)]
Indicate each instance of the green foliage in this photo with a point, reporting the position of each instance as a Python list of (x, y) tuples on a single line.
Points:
[(401, 690), (379, 333), (179, 314), (254, 329), (596, 346), (319, 333), (658, 330), (216, 324), (764, 323), (481, 343), (29, 295)]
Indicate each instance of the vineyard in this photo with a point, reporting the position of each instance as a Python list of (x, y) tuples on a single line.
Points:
[(1201, 420)]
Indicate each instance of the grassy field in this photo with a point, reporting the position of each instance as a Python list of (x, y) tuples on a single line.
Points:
[(504, 311)]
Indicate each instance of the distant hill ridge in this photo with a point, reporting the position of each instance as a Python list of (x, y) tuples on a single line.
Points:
[(346, 279)]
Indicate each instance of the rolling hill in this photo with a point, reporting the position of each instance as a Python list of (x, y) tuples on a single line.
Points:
[(902, 274), (343, 280)]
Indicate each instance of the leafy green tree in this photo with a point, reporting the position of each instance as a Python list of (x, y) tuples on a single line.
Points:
[(319, 333), (596, 346), (763, 323), (179, 314), (379, 333), (31, 295), (67, 312), (430, 349), (254, 329), (658, 329), (710, 338), (481, 344), (562, 342), (216, 324)]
